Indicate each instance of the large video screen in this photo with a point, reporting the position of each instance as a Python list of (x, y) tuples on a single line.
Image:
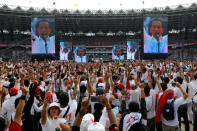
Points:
[(43, 35), (65, 50), (156, 35), (80, 54), (118, 53), (132, 48)]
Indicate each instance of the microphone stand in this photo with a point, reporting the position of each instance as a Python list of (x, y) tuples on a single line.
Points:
[(81, 57), (46, 48), (157, 38), (44, 35)]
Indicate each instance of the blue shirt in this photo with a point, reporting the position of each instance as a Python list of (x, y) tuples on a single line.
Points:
[(80, 59), (38, 45), (118, 58)]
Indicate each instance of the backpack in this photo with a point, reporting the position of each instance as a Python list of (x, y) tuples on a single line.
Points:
[(168, 111)]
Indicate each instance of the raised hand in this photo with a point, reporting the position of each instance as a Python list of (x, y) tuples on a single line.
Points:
[(85, 103), (25, 91)]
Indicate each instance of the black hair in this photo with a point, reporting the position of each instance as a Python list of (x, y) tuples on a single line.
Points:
[(83, 77), (46, 83), (26, 82), (62, 75), (164, 25), (195, 77), (97, 111), (11, 85), (120, 49), (41, 79), (11, 79), (146, 89), (98, 73), (114, 77), (166, 80), (38, 23), (83, 89), (179, 79), (63, 99), (9, 76), (143, 69), (150, 24), (134, 107), (164, 86)]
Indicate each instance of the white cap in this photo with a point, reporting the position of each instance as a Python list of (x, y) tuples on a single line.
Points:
[(87, 120), (83, 83), (54, 104), (101, 85), (116, 102), (96, 127)]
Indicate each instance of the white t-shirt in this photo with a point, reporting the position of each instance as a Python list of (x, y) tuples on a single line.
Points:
[(70, 117), (193, 90), (144, 77), (8, 107), (50, 124), (177, 92), (174, 122), (134, 95), (150, 104)]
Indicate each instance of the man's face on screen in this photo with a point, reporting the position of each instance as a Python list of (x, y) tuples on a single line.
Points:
[(43, 28), (118, 52), (156, 27), (80, 52)]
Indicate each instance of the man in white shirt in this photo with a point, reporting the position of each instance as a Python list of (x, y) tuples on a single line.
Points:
[(150, 107), (64, 51), (43, 43), (8, 106), (67, 108), (131, 53), (117, 53), (173, 124), (182, 111), (193, 97), (80, 55)]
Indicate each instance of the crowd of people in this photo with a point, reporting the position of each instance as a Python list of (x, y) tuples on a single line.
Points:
[(127, 96)]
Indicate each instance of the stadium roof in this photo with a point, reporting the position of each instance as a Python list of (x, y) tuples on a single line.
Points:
[(15, 22), (98, 4)]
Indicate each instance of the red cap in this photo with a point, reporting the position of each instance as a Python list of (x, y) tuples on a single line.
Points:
[(116, 95), (100, 80), (169, 93), (13, 91), (120, 86), (38, 88)]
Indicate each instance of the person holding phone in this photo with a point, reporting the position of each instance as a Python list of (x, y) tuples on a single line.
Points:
[(36, 108), (52, 121)]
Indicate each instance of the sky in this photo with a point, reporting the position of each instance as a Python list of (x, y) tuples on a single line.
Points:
[(96, 4)]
